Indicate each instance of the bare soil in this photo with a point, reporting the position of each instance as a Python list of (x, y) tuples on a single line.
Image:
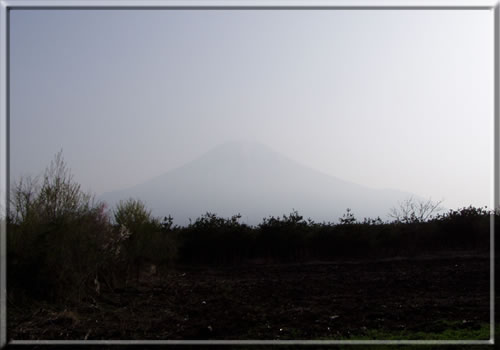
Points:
[(315, 300)]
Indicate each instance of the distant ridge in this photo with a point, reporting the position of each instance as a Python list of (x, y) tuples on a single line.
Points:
[(252, 179)]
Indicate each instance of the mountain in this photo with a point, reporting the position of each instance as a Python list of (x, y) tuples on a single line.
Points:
[(252, 179)]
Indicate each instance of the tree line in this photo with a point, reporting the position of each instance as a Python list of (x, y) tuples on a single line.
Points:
[(61, 242)]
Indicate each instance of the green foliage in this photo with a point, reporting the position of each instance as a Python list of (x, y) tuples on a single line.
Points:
[(134, 215), (144, 240), (448, 331)]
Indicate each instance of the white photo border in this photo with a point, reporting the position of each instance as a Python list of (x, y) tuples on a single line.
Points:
[(7, 5)]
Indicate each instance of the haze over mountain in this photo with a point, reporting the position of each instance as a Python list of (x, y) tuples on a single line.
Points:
[(254, 180)]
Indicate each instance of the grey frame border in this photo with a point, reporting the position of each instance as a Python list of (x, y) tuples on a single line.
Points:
[(7, 5)]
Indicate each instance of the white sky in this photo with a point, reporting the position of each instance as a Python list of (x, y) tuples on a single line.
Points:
[(387, 99)]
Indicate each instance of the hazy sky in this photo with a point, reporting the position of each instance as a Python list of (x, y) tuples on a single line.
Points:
[(387, 99)]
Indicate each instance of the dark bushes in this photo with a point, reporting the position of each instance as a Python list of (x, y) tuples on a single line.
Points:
[(465, 227), (283, 238), (211, 239), (144, 240), (62, 244), (290, 238), (57, 235)]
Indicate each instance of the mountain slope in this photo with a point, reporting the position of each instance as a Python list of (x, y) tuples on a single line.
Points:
[(252, 179)]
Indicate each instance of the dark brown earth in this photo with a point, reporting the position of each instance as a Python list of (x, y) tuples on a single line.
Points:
[(316, 300)]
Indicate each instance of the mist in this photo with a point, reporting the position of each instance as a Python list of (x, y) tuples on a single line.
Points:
[(364, 96)]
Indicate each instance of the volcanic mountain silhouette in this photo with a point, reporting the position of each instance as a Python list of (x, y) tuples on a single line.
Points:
[(252, 179)]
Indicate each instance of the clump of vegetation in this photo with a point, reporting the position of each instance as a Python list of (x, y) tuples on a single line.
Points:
[(145, 240), (283, 238), (468, 226), (214, 239), (57, 234), (347, 218)]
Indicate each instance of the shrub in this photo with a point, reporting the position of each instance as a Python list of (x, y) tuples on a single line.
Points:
[(212, 239), (57, 235), (133, 214), (347, 218), (144, 239), (468, 226), (284, 238)]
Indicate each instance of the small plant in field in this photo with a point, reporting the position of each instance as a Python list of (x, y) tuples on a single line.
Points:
[(167, 224), (347, 218), (369, 221)]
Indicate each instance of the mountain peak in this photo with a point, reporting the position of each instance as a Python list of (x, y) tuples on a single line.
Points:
[(243, 147), (240, 151), (247, 177)]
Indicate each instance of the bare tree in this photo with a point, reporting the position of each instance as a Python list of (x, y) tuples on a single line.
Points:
[(59, 194), (414, 210), (23, 195), (49, 196)]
